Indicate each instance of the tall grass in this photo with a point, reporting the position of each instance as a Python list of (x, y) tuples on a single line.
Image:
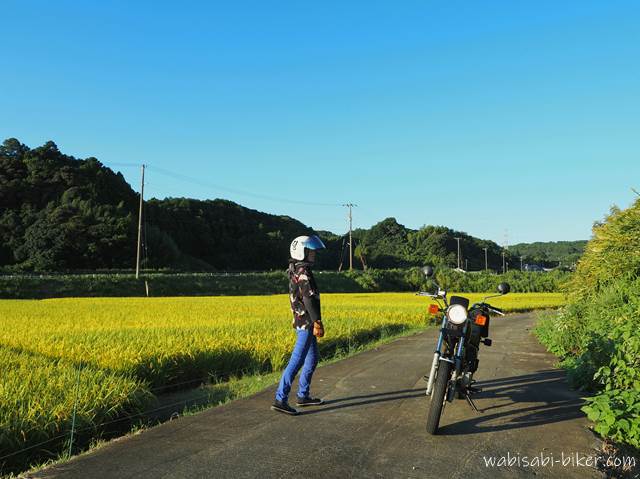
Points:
[(597, 334)]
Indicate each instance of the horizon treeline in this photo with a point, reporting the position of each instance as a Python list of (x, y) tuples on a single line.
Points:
[(59, 213)]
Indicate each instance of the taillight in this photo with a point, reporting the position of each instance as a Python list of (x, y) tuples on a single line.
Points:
[(434, 309), (481, 320)]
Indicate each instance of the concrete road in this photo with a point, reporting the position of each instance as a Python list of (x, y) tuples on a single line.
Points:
[(373, 424)]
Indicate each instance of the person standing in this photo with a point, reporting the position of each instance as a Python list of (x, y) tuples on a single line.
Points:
[(307, 322)]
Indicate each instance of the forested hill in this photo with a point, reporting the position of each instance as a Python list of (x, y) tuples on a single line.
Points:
[(59, 213), (222, 235), (551, 253)]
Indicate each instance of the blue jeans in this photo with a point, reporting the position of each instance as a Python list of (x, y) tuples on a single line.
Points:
[(305, 356)]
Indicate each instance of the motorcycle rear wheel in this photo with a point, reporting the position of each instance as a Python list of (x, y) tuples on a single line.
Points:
[(437, 397)]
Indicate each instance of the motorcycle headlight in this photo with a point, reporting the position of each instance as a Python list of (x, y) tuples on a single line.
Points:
[(457, 314)]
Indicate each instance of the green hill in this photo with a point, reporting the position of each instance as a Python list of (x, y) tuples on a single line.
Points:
[(551, 253), (62, 213), (59, 213)]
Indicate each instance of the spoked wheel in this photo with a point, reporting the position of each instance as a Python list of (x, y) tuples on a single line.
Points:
[(437, 397)]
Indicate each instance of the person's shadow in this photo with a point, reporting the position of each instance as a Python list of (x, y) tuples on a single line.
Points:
[(364, 399)]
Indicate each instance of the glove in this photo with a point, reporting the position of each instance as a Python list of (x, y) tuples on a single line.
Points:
[(318, 329)]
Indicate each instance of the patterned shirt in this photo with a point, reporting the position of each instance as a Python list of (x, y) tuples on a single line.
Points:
[(303, 295)]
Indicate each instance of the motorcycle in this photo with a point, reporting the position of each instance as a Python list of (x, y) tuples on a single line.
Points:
[(455, 359)]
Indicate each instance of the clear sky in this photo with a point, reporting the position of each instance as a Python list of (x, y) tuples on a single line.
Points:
[(482, 116)]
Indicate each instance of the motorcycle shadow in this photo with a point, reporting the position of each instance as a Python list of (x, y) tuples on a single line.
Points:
[(545, 396)]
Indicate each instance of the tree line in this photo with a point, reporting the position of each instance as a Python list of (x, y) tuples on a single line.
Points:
[(60, 213)]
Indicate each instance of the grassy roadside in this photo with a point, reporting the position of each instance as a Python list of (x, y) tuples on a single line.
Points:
[(596, 335), (613, 418)]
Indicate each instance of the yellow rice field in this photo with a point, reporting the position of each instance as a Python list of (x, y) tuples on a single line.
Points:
[(124, 349)]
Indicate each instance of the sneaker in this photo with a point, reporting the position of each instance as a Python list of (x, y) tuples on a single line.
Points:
[(309, 401), (283, 406)]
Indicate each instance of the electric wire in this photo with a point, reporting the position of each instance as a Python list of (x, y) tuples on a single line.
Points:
[(236, 191), (126, 165)]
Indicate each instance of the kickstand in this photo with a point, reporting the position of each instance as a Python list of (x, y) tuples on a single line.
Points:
[(471, 403)]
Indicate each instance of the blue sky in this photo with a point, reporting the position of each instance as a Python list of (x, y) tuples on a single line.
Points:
[(482, 116)]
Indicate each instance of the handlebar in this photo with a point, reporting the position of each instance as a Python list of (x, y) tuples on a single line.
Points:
[(490, 308), (424, 293)]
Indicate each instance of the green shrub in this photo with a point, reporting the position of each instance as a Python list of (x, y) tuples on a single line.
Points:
[(617, 415), (596, 334)]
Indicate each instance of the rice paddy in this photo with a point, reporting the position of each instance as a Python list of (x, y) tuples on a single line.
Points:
[(109, 356)]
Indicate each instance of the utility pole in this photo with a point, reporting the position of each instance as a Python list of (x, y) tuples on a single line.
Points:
[(458, 240), (350, 206), (466, 265), (140, 224), (486, 265), (521, 258), (505, 248)]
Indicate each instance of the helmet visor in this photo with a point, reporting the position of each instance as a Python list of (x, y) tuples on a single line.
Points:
[(314, 243)]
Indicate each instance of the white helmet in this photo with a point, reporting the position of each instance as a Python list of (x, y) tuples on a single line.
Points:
[(298, 245)]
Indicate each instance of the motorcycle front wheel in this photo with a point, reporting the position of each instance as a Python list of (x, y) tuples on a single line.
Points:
[(437, 397)]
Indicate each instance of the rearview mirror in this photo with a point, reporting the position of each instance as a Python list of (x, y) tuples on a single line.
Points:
[(428, 271), (504, 288)]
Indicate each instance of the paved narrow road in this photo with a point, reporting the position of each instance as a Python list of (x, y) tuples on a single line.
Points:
[(373, 424)]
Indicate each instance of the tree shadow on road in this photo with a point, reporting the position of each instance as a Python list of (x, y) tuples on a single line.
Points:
[(545, 394)]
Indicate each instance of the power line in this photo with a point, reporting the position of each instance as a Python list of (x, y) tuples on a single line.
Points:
[(236, 191), (126, 165)]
